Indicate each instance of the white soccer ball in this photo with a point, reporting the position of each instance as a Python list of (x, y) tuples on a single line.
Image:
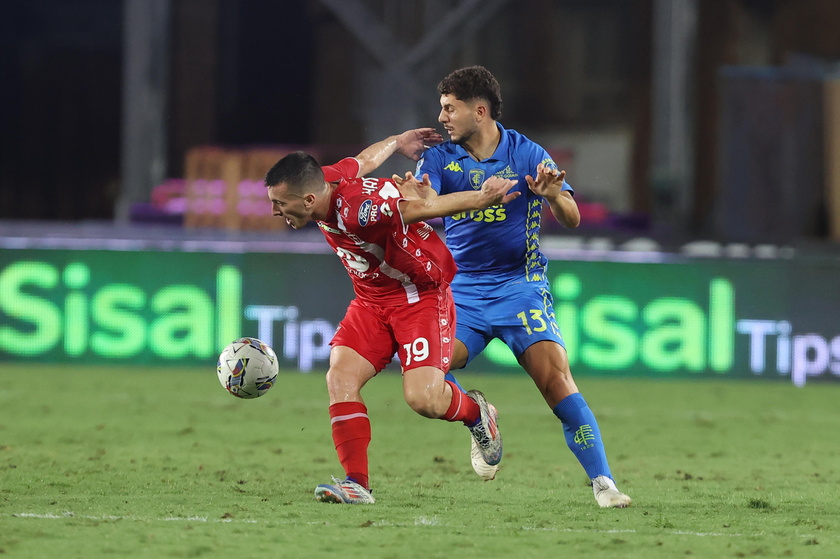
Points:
[(247, 368)]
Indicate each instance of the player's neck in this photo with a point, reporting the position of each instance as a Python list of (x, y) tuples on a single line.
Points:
[(323, 206), (484, 142)]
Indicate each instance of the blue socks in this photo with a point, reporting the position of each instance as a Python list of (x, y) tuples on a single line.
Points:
[(581, 429), (583, 435)]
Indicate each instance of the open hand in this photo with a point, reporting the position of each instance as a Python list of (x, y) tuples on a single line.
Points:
[(412, 188), (496, 190), (549, 182), (412, 143)]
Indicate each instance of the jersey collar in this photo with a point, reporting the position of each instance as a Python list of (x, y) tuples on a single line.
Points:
[(501, 150)]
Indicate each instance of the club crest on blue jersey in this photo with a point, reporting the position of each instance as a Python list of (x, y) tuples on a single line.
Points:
[(476, 178)]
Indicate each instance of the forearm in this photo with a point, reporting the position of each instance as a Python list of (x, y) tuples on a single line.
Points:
[(441, 206), (565, 210), (375, 155)]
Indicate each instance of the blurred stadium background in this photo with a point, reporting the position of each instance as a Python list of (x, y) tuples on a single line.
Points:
[(702, 137)]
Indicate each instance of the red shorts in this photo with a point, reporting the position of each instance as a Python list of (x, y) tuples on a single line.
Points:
[(421, 333)]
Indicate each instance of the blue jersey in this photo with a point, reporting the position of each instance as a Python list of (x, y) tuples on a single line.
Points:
[(503, 240)]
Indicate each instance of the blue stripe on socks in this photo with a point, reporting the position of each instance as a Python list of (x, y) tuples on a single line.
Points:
[(583, 435)]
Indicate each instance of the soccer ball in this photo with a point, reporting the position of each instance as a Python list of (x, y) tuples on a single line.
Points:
[(247, 368)]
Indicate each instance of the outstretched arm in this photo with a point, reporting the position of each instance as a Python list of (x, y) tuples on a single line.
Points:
[(429, 204), (412, 188), (549, 185), (410, 143)]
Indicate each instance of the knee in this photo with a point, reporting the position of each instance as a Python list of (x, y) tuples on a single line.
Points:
[(332, 378), (557, 387), (342, 385), (548, 366), (421, 401)]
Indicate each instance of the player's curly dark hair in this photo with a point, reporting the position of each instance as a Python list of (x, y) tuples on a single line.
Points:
[(299, 170), (474, 82)]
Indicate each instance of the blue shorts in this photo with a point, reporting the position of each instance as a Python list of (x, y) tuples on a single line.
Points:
[(518, 312)]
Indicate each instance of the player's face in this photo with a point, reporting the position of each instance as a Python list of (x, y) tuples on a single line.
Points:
[(458, 117), (293, 207)]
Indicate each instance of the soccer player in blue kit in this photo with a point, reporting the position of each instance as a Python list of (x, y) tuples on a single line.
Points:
[(501, 290)]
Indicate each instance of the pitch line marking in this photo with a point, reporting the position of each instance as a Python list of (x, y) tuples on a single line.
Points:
[(432, 521)]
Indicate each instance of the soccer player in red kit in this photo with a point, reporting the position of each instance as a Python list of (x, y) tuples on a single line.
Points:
[(401, 272)]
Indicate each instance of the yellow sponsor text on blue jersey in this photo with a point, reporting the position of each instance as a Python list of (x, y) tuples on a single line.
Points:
[(487, 215)]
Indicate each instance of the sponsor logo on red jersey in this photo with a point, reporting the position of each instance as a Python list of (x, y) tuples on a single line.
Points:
[(364, 212)]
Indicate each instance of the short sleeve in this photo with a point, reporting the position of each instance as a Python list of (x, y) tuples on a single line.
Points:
[(347, 168), (542, 156), (430, 164)]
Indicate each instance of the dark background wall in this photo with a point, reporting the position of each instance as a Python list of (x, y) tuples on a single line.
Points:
[(239, 73), (60, 103), (266, 71)]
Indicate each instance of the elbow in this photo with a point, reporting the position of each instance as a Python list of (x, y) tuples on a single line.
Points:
[(573, 221)]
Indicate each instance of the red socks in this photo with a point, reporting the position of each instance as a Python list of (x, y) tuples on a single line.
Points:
[(351, 435), (463, 408), (351, 431)]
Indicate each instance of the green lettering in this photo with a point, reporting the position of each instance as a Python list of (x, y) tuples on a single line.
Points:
[(44, 317), (76, 326), (186, 323), (125, 331), (721, 325), (567, 287), (615, 344), (676, 337), (229, 304)]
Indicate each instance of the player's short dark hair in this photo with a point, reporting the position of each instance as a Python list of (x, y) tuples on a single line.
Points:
[(474, 82), (299, 170)]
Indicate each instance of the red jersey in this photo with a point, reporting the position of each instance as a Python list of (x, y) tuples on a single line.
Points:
[(389, 262)]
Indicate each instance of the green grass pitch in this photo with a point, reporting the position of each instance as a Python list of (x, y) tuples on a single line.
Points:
[(135, 462)]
